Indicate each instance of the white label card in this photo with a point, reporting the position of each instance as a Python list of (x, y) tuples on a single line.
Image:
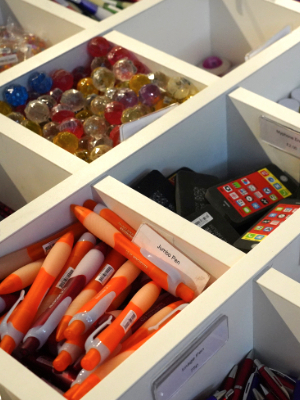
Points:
[(203, 219), (130, 128), (196, 355), (10, 59), (280, 136), (48, 246), (191, 274)]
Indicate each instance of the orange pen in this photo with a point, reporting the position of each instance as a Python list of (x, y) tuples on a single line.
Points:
[(111, 264), (110, 235), (94, 308), (72, 349), (111, 217), (21, 278), (10, 262), (84, 244), (22, 317), (105, 343)]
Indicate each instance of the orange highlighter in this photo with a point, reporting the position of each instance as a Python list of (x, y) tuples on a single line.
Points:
[(111, 217), (94, 308), (111, 264), (84, 244), (21, 278), (110, 235), (105, 343), (10, 262), (22, 317)]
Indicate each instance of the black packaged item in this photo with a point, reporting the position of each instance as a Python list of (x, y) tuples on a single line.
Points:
[(211, 221), (190, 191), (157, 188), (172, 177)]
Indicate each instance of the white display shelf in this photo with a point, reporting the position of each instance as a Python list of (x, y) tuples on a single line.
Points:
[(197, 29), (46, 164)]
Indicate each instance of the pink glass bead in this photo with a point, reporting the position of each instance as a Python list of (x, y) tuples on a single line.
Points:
[(117, 53), (149, 94), (62, 79), (98, 47), (61, 112), (72, 125), (212, 62), (74, 99), (124, 69), (126, 96), (113, 112)]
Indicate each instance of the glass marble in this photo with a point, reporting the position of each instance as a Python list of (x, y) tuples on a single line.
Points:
[(67, 141), (100, 62), (138, 81), (115, 135), (5, 108), (83, 154), (124, 69), (48, 100), (62, 79), (179, 87), (133, 113), (119, 52), (149, 94), (50, 130), (110, 93), (141, 68), (160, 79), (40, 82), (80, 73), (98, 105), (72, 125), (103, 78), (61, 112), (86, 87), (113, 112), (15, 95), (95, 126), (56, 94), (98, 151), (126, 96), (33, 126), (74, 99), (16, 116), (98, 47), (37, 111)]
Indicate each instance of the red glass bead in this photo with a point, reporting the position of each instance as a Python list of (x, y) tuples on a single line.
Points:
[(115, 135), (98, 47), (117, 53), (113, 112), (62, 79)]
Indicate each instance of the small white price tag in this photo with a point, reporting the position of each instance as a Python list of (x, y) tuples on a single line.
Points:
[(130, 128), (191, 274), (280, 136), (187, 364)]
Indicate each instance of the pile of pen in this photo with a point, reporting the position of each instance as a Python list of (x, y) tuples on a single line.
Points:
[(252, 380), (74, 315)]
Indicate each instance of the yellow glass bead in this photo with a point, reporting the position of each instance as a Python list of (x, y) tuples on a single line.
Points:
[(16, 116), (137, 81), (83, 114), (83, 154), (133, 113), (33, 126), (5, 108), (67, 141), (86, 87), (98, 151)]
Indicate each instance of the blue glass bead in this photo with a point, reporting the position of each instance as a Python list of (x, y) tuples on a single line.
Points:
[(40, 82), (15, 95)]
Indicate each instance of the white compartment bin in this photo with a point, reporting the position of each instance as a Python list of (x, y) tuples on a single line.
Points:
[(195, 29)]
